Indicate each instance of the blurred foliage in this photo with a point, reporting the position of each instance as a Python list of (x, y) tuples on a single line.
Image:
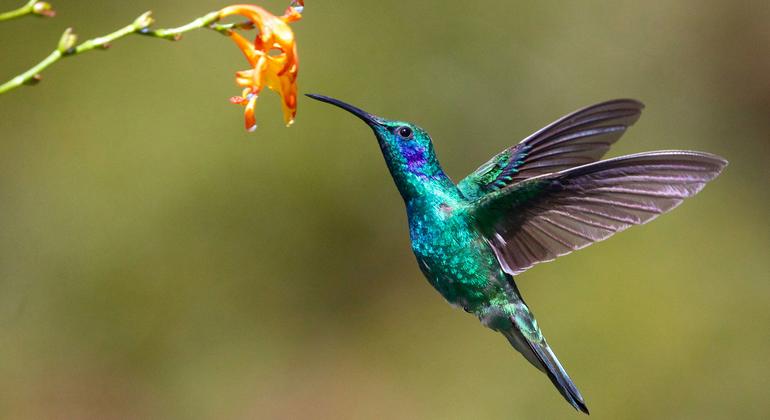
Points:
[(157, 261)]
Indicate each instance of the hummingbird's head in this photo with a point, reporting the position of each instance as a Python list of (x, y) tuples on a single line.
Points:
[(407, 148)]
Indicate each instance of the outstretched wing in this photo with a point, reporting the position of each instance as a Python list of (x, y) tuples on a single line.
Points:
[(575, 139), (550, 215)]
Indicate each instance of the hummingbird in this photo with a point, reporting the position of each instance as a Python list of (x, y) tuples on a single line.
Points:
[(545, 197)]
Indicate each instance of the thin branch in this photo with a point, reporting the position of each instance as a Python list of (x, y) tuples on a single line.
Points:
[(209, 21), (35, 7), (67, 44)]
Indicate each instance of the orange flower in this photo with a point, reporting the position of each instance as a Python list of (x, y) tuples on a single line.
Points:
[(273, 58)]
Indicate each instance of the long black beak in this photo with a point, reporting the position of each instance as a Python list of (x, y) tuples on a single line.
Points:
[(368, 118)]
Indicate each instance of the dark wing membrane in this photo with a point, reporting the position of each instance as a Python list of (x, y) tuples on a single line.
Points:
[(551, 215), (575, 139)]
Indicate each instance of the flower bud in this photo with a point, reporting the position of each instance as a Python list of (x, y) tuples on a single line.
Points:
[(43, 8), (67, 41), (144, 20)]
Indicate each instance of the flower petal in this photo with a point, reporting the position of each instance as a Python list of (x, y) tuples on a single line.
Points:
[(276, 71), (251, 121)]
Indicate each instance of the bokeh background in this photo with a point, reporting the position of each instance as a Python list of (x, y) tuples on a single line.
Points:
[(157, 261)]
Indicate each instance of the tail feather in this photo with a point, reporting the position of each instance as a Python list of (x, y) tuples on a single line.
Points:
[(541, 356)]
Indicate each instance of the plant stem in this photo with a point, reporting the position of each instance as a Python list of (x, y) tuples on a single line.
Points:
[(140, 26), (21, 11), (174, 34), (32, 7)]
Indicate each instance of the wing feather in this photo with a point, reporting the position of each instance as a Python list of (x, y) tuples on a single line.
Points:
[(550, 215), (581, 137)]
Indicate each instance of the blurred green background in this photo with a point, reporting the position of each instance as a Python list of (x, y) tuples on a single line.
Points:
[(157, 261)]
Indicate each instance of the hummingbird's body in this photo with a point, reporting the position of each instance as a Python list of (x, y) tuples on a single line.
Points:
[(542, 198), (452, 255), (450, 251)]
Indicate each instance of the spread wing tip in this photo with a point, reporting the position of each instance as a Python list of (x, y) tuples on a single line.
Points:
[(579, 206)]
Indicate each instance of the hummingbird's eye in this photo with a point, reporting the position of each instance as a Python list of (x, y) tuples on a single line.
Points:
[(404, 132)]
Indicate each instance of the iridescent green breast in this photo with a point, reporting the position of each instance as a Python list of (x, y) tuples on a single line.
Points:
[(453, 255)]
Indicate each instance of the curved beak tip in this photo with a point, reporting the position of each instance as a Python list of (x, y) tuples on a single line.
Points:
[(358, 112)]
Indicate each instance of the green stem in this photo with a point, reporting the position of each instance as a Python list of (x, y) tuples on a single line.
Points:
[(21, 11), (139, 26), (175, 33), (33, 7), (31, 76)]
